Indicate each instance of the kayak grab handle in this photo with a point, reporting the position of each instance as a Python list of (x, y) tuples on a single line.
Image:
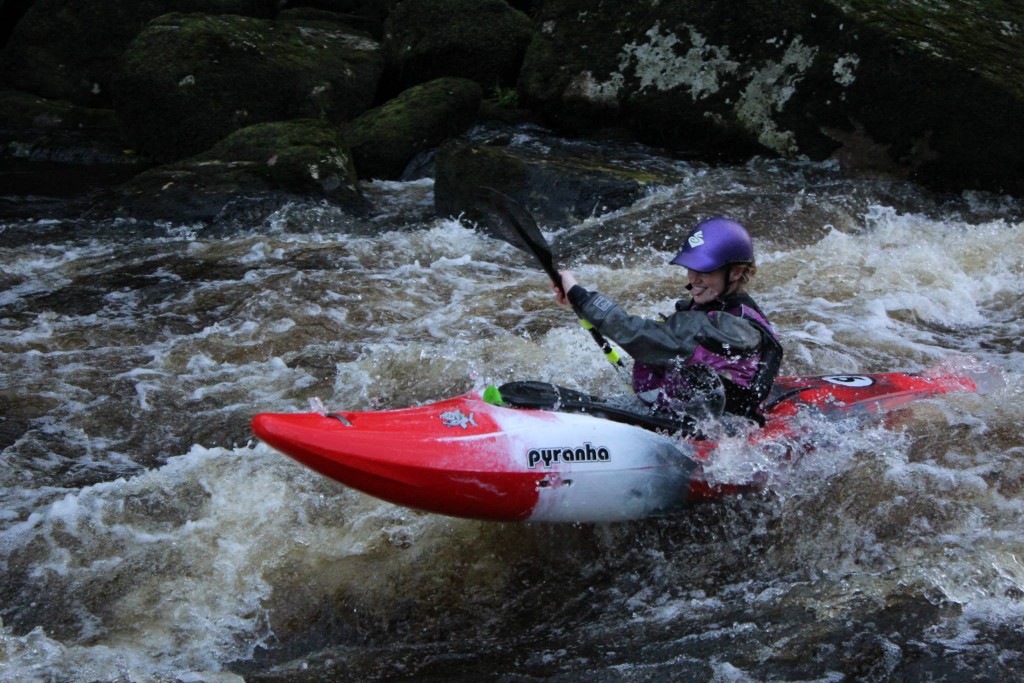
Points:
[(340, 418)]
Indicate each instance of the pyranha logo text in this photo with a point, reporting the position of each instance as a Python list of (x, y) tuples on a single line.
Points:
[(550, 456)]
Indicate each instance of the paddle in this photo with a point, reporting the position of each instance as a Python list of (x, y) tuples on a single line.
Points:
[(514, 223), (544, 396)]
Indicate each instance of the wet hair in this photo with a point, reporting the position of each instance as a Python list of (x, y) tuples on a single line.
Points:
[(749, 271)]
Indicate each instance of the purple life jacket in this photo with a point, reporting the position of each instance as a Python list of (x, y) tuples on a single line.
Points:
[(747, 379)]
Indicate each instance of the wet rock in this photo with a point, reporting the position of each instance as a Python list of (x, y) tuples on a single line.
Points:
[(675, 72), (556, 183), (933, 92), (482, 40), (51, 149), (18, 413), (33, 128), (69, 49), (11, 12), (11, 430), (917, 90), (385, 139), (261, 167), (368, 15), (189, 80)]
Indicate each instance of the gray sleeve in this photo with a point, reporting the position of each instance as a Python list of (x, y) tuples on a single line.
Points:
[(660, 343)]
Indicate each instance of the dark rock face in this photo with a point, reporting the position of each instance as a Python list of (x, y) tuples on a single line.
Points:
[(188, 80), (560, 182), (36, 129), (695, 75), (482, 40), (796, 79), (367, 15), (929, 91), (943, 87), (384, 140), (69, 49), (264, 164)]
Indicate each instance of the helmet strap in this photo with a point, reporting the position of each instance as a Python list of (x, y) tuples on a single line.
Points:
[(730, 286)]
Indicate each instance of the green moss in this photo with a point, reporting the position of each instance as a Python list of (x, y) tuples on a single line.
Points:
[(385, 139), (589, 166), (258, 141), (303, 155), (504, 97), (986, 34), (189, 80)]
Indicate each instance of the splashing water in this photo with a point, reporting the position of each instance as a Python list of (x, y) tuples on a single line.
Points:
[(145, 535)]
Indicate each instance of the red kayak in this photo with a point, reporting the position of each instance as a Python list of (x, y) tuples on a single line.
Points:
[(467, 457)]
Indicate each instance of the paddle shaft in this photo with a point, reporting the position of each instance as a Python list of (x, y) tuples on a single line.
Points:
[(609, 352), (530, 236)]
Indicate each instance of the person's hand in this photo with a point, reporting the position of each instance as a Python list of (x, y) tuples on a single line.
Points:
[(568, 282)]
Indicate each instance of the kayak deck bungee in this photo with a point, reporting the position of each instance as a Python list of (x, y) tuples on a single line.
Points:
[(544, 396), (467, 457)]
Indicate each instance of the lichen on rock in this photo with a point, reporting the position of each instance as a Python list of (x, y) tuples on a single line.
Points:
[(658, 65), (768, 90)]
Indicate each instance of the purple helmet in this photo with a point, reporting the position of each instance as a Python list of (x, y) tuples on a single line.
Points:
[(714, 243)]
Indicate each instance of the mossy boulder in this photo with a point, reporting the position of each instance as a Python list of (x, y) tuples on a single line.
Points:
[(69, 49), (559, 181), (385, 139), (482, 40), (940, 87), (266, 164), (189, 80), (927, 91), (308, 156), (686, 74)]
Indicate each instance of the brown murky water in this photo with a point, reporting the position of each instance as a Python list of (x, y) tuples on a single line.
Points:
[(146, 536)]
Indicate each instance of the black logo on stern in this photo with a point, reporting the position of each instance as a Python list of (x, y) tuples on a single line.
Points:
[(550, 456), (849, 380)]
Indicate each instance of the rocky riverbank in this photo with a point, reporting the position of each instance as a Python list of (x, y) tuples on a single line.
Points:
[(197, 106)]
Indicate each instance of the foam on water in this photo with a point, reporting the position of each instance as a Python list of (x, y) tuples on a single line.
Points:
[(177, 570), (906, 285)]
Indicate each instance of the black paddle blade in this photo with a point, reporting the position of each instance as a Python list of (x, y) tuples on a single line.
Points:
[(508, 220)]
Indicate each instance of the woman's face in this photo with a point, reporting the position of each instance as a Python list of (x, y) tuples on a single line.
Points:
[(706, 287)]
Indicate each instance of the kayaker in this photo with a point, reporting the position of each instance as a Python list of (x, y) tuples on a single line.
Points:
[(717, 351)]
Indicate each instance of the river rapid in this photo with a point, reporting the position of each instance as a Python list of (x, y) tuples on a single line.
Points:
[(145, 535)]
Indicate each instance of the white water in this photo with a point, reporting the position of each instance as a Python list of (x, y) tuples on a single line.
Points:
[(147, 537)]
